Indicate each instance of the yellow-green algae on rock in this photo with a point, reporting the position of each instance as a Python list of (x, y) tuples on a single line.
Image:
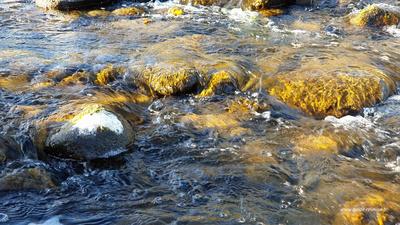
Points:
[(108, 74), (176, 11), (182, 65), (228, 121), (128, 11), (322, 92), (376, 15)]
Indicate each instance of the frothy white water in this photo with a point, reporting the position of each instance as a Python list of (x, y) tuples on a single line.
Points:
[(52, 221), (350, 122), (393, 30), (89, 124)]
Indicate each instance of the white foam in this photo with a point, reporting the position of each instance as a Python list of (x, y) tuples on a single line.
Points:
[(52, 221), (89, 124), (393, 30), (242, 16), (395, 165), (395, 98), (350, 121)]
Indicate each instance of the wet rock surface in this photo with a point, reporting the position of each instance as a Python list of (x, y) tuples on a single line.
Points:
[(72, 4), (26, 179), (96, 132), (163, 113)]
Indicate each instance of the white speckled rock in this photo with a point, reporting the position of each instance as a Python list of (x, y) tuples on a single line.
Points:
[(94, 133), (71, 4)]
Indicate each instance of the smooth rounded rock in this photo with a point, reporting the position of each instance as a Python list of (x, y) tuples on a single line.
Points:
[(96, 132)]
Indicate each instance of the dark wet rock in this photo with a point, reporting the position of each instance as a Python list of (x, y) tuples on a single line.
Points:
[(72, 4), (95, 132), (265, 4), (26, 178), (9, 150)]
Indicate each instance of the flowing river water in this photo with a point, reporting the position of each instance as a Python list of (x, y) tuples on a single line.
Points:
[(265, 167)]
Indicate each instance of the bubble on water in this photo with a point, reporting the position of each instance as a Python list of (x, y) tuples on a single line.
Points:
[(3, 218)]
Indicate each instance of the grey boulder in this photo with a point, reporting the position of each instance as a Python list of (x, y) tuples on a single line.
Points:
[(96, 132)]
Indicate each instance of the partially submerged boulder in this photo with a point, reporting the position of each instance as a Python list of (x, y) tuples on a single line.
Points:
[(376, 15), (321, 92), (182, 65), (169, 80), (265, 4), (26, 179), (108, 74), (128, 11), (95, 132), (72, 4), (9, 150)]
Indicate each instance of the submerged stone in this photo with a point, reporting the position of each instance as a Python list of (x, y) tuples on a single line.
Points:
[(72, 4), (169, 81), (128, 11), (265, 4), (336, 93), (9, 150), (25, 179), (96, 132), (376, 15), (98, 13)]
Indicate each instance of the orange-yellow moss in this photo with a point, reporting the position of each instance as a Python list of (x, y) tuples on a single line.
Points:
[(14, 83), (176, 11), (76, 78), (170, 81), (147, 21), (330, 94), (200, 2), (271, 12), (217, 81), (316, 143), (373, 15), (242, 107), (98, 13), (128, 11), (108, 74), (223, 123)]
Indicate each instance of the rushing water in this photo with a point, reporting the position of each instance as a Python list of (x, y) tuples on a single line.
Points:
[(174, 174)]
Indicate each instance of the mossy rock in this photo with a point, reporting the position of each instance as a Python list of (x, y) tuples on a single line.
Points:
[(108, 75), (219, 83), (376, 15), (26, 179), (265, 4), (168, 81), (336, 93), (176, 11), (128, 11)]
